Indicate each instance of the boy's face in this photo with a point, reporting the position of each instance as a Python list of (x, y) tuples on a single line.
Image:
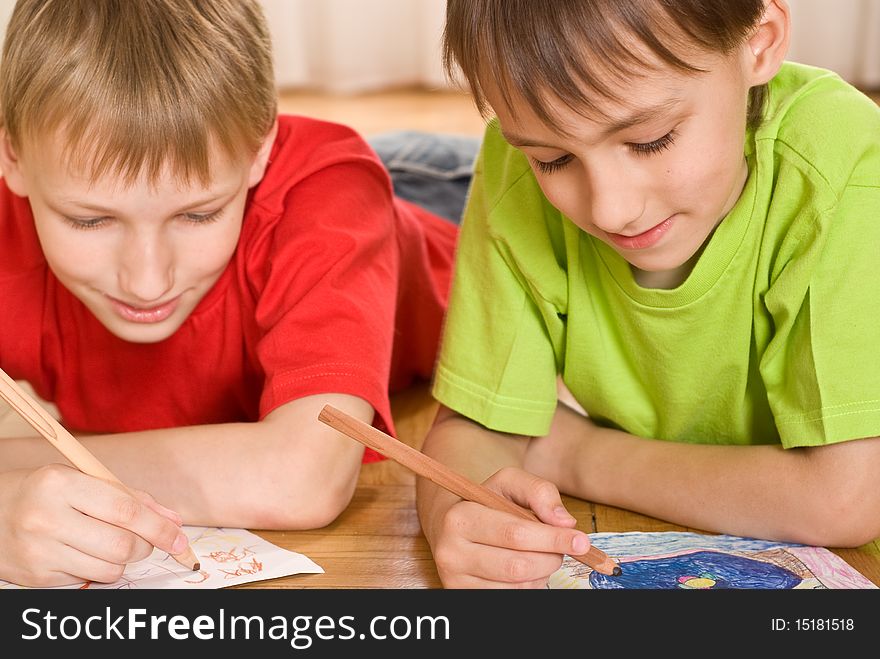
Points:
[(140, 257), (652, 179)]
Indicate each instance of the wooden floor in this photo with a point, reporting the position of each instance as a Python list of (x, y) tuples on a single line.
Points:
[(406, 109)]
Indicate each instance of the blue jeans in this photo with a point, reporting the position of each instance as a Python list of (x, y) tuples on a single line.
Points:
[(432, 170)]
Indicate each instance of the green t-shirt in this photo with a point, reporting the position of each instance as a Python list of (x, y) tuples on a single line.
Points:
[(773, 337)]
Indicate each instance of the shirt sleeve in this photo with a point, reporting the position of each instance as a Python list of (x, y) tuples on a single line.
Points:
[(327, 308), (822, 367), (497, 364)]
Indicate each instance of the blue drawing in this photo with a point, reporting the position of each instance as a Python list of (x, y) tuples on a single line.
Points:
[(696, 561), (698, 570)]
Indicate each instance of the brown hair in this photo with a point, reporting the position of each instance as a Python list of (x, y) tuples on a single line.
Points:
[(564, 47), (135, 85)]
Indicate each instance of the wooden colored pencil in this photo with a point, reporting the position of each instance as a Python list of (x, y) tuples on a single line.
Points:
[(443, 476), (69, 446)]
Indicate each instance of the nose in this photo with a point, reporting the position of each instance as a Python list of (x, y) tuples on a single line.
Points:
[(615, 199), (146, 271)]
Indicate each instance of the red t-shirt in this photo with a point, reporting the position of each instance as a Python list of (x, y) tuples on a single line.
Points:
[(336, 286)]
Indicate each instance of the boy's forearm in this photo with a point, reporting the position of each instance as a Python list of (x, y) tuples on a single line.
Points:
[(288, 471), (234, 475), (283, 473), (469, 449), (821, 495), (27, 452)]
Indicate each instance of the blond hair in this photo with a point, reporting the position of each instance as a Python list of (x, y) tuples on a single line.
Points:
[(134, 86)]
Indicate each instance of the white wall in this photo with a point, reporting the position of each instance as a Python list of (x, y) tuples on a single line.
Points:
[(348, 45), (5, 12), (843, 35), (356, 45)]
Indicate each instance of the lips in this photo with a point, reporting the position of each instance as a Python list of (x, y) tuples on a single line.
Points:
[(642, 240), (144, 315)]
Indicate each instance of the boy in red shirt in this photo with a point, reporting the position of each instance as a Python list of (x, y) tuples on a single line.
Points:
[(190, 278)]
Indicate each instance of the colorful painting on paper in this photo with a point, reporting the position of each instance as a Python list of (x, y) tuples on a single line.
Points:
[(228, 557), (695, 561)]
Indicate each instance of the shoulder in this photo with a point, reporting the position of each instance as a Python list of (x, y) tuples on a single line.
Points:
[(305, 147), (502, 170), (833, 129), (315, 139), (505, 190), (508, 213), (324, 186)]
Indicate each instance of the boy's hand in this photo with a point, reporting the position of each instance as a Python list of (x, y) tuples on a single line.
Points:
[(59, 526), (478, 547)]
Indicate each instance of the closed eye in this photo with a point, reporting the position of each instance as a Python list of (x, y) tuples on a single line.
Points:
[(86, 223), (203, 218), (655, 147), (552, 166)]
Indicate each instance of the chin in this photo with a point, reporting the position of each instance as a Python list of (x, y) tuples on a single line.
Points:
[(668, 261), (140, 332), (132, 332), (657, 265)]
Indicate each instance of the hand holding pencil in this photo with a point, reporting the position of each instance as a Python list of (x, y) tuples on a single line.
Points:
[(441, 475), (95, 527)]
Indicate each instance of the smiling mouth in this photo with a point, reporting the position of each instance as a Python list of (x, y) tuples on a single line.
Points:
[(642, 240), (144, 315)]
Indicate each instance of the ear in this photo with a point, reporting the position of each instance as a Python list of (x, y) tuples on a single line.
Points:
[(258, 168), (10, 166), (767, 47)]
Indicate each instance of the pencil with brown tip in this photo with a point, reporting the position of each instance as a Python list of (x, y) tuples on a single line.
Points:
[(443, 476), (69, 446)]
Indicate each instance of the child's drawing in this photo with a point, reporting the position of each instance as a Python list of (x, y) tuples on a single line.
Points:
[(695, 561), (228, 557)]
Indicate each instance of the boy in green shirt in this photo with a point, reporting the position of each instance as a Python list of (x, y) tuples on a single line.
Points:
[(683, 227)]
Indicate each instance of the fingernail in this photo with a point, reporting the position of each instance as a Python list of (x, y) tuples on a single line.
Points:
[(180, 543), (562, 513), (580, 544)]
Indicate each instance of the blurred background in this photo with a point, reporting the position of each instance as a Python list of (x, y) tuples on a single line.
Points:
[(359, 45), (375, 64)]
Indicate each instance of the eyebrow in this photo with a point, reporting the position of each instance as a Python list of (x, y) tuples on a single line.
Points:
[(110, 211), (634, 118)]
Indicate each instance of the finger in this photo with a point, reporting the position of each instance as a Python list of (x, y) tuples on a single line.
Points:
[(63, 565), (109, 543), (151, 503), (538, 495), (84, 567), (96, 538), (464, 564), (516, 568), (478, 524), (40, 566), (112, 505), (524, 535), (468, 581)]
